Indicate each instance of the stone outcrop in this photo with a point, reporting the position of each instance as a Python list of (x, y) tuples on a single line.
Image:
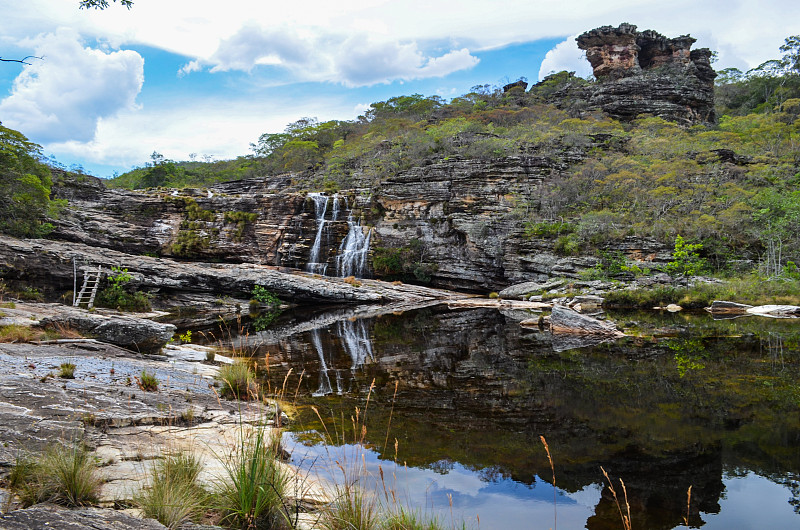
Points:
[(643, 72), (648, 73), (137, 334), (565, 320), (51, 516)]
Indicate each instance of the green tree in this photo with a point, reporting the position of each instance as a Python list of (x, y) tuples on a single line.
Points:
[(24, 187), (102, 4)]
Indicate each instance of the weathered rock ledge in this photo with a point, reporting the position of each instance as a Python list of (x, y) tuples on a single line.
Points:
[(46, 262)]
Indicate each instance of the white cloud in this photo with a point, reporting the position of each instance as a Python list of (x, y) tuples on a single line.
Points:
[(565, 56), (188, 68), (64, 95), (355, 60)]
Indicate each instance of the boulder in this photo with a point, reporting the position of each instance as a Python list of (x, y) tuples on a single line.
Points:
[(785, 311), (565, 320), (129, 332), (729, 308), (519, 290)]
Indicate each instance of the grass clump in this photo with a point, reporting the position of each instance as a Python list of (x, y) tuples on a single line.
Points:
[(173, 494), (148, 382), (238, 381), (65, 475), (351, 509), (17, 333), (66, 371), (406, 519), (254, 485)]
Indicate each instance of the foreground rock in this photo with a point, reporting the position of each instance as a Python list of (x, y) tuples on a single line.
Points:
[(50, 516), (129, 332), (521, 290), (565, 320)]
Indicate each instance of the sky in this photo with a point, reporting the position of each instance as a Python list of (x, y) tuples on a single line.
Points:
[(204, 79)]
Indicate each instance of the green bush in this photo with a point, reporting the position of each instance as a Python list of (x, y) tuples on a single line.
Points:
[(263, 296), (115, 295), (66, 371), (148, 382)]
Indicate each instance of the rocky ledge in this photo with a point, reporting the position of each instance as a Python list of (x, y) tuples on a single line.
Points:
[(50, 263)]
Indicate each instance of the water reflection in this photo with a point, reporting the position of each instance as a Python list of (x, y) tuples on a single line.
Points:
[(682, 402)]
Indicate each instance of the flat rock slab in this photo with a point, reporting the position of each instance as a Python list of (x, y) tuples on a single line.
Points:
[(730, 308), (565, 320), (519, 290), (496, 303), (133, 333), (781, 311), (50, 516)]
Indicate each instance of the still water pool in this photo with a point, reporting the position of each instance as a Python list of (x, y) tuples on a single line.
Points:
[(454, 403)]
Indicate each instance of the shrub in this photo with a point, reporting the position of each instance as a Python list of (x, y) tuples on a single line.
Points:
[(172, 494), (263, 296), (62, 475), (238, 381), (685, 258), (115, 296), (254, 487)]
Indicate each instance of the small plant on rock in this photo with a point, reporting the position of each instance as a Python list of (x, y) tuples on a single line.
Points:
[(66, 371), (148, 382)]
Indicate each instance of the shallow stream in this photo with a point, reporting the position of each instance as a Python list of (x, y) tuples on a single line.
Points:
[(455, 401)]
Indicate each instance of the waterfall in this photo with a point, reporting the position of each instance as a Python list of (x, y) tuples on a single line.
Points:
[(353, 251), (320, 210)]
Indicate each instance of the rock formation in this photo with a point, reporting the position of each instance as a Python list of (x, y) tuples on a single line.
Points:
[(642, 72), (648, 73)]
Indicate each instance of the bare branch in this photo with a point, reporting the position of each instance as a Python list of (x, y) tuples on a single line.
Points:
[(24, 60)]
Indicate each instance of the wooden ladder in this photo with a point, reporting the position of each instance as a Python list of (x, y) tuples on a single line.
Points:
[(91, 283)]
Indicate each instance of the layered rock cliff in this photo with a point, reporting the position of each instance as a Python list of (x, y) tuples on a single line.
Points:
[(644, 72)]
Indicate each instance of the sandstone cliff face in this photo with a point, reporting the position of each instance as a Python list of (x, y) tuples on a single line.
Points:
[(464, 215), (644, 73)]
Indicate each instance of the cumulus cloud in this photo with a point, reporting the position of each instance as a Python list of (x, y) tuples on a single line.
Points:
[(356, 60), (188, 68), (565, 56), (63, 96)]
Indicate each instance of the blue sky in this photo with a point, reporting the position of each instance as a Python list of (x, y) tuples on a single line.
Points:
[(202, 77)]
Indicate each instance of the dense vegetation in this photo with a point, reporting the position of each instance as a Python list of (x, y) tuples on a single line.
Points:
[(24, 187)]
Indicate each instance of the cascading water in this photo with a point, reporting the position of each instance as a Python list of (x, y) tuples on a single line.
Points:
[(353, 251), (321, 201)]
